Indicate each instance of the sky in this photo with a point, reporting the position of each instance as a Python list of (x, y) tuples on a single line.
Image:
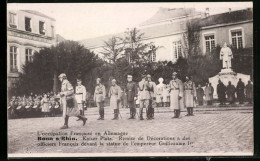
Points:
[(78, 21)]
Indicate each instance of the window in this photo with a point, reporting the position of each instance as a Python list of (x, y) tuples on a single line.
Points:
[(28, 55), (42, 28), (209, 42), (237, 39), (177, 49), (12, 20), (13, 59), (28, 24)]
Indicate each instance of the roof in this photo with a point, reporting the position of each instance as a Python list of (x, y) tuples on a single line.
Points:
[(175, 27), (227, 17), (38, 13), (165, 14)]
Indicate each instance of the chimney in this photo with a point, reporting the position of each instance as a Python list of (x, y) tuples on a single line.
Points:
[(207, 12)]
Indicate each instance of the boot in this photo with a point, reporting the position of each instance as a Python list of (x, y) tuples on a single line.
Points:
[(99, 114), (114, 114), (66, 121), (80, 112), (102, 113), (83, 118), (117, 112), (175, 114), (148, 113), (188, 111), (191, 111), (141, 114), (131, 113), (152, 113), (134, 113)]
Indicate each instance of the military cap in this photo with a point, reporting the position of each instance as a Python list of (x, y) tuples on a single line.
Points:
[(129, 76), (148, 76), (113, 80), (174, 73), (62, 75), (98, 79)]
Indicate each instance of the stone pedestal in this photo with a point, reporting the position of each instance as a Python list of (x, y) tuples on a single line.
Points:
[(226, 75)]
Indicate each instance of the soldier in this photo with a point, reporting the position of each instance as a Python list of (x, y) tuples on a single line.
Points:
[(190, 95), (165, 95), (176, 95), (131, 93), (240, 91), (45, 105), (99, 98), (230, 93), (143, 95), (249, 92), (81, 95), (221, 90), (68, 101), (152, 89), (208, 94), (115, 96), (200, 94)]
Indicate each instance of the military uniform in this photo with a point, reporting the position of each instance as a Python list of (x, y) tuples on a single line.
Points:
[(231, 93), (131, 92), (190, 95), (68, 102), (159, 96), (209, 94), (249, 92), (221, 90), (81, 95), (144, 97), (200, 94), (152, 102), (240, 91), (176, 96), (115, 97), (99, 97)]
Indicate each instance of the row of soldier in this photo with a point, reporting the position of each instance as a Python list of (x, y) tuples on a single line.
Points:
[(34, 105)]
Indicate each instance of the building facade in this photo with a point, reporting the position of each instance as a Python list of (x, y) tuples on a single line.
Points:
[(167, 29), (28, 31)]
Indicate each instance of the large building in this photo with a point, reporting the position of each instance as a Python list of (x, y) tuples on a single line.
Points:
[(167, 29), (27, 31)]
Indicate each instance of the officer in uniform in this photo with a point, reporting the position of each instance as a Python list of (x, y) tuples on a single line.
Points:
[(152, 89), (68, 101), (115, 97), (240, 89), (131, 92), (190, 95), (143, 95), (176, 95), (99, 98), (81, 94)]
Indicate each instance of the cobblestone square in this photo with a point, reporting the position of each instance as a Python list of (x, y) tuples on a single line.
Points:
[(216, 131)]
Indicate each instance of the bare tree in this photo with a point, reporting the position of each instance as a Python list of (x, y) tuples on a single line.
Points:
[(113, 49)]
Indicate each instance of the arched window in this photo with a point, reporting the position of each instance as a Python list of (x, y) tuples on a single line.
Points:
[(13, 59), (28, 55)]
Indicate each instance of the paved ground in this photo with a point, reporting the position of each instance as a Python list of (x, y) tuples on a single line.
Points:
[(212, 129)]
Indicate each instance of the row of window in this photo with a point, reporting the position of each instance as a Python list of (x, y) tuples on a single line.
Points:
[(13, 57), (28, 24), (236, 39)]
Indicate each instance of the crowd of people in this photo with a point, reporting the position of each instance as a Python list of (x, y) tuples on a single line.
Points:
[(44, 105)]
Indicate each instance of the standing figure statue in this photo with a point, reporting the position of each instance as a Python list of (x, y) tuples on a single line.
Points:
[(159, 96), (226, 56)]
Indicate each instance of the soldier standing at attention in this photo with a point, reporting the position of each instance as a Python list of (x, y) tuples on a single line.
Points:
[(190, 95), (68, 101), (221, 91), (99, 98), (249, 92), (81, 93), (143, 95), (151, 87), (131, 92), (200, 94), (115, 97), (240, 91), (176, 95)]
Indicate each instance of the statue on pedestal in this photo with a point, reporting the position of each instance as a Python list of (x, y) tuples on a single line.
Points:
[(159, 96), (226, 56)]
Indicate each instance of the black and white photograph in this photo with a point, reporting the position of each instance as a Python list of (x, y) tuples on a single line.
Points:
[(130, 79)]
